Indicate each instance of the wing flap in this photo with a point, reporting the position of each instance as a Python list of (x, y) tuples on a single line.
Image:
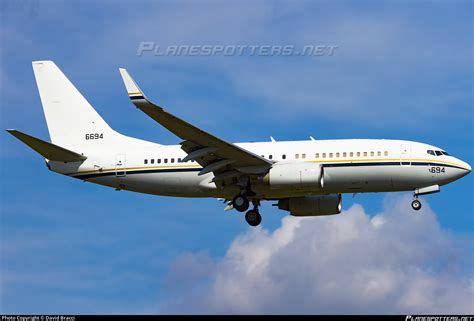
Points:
[(199, 153)]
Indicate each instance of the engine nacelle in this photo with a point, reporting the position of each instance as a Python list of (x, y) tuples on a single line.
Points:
[(317, 205), (297, 175)]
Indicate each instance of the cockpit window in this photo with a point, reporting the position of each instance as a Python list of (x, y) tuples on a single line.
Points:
[(437, 152)]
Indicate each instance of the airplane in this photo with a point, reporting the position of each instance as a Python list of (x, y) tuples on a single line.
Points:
[(305, 178)]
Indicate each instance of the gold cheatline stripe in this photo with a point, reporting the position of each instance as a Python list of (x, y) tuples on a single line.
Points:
[(139, 93), (132, 168), (386, 159), (309, 161)]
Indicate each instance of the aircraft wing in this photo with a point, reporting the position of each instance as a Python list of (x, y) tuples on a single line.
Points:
[(224, 159)]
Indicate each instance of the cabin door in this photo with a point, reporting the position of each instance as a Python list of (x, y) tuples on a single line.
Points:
[(120, 165), (405, 155)]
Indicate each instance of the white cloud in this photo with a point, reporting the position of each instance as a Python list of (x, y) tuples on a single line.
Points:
[(397, 261)]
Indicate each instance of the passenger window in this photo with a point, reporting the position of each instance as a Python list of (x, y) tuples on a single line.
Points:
[(166, 160), (379, 153), (385, 153), (351, 154), (158, 160), (317, 155), (303, 156), (270, 156), (365, 154), (172, 160), (297, 156), (179, 160), (145, 161), (152, 161), (344, 154), (330, 155), (372, 154), (324, 155), (283, 156), (337, 155), (358, 154)]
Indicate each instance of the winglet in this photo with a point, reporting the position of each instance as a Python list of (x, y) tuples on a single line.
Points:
[(47, 150), (134, 92)]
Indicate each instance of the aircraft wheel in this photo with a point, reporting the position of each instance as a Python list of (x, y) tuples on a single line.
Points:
[(253, 217), (416, 205), (240, 203)]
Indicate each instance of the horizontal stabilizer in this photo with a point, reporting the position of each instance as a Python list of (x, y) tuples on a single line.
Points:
[(47, 150)]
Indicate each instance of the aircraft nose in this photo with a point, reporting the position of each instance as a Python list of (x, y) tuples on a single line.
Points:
[(466, 167)]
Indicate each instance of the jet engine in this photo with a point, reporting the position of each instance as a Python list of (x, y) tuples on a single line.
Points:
[(316, 205), (298, 175)]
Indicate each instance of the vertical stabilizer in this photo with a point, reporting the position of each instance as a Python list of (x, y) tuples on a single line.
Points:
[(71, 119)]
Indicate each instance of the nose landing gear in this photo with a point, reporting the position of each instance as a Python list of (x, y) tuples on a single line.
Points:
[(416, 205)]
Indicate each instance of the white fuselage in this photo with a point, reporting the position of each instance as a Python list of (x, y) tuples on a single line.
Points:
[(350, 166), (306, 178)]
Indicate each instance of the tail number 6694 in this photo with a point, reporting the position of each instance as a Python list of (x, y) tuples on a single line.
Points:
[(94, 136)]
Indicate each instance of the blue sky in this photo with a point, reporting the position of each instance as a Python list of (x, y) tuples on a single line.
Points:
[(402, 70)]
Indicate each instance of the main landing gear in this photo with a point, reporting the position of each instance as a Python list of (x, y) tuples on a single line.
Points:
[(241, 204), (253, 217)]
